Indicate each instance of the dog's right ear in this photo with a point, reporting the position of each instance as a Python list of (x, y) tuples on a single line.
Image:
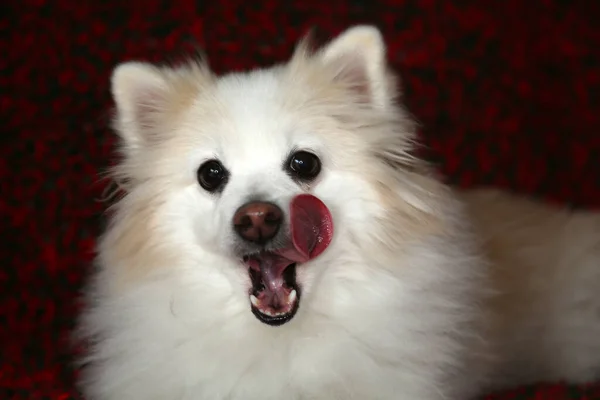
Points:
[(141, 92)]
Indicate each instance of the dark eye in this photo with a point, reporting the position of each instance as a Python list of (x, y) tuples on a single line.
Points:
[(304, 165), (212, 175)]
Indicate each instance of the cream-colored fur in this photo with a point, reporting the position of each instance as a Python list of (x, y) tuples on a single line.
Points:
[(425, 293), (546, 270)]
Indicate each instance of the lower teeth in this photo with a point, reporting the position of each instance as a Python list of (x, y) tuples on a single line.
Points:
[(270, 314), (291, 298)]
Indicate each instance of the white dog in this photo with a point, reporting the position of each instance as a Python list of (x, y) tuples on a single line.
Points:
[(279, 240)]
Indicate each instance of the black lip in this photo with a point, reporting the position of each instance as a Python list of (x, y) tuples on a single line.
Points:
[(280, 319)]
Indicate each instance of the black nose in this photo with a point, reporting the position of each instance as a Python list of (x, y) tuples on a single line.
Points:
[(257, 222)]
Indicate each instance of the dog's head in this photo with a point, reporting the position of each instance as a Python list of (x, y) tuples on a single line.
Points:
[(271, 172)]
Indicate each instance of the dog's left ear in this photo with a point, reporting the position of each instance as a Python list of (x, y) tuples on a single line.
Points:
[(358, 57)]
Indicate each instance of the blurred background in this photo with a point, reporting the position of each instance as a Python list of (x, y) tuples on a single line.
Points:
[(507, 93)]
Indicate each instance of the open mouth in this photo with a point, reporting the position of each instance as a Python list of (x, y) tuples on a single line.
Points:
[(275, 293)]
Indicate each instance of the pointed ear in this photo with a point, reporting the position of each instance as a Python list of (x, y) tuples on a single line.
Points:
[(358, 58), (141, 92)]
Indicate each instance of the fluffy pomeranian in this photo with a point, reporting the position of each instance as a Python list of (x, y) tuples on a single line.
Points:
[(278, 239)]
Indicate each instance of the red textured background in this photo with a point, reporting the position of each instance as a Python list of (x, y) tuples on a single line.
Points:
[(508, 93)]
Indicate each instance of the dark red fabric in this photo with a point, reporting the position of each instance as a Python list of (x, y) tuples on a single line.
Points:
[(508, 93)]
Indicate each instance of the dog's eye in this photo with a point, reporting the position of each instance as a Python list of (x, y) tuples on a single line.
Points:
[(304, 165), (212, 175)]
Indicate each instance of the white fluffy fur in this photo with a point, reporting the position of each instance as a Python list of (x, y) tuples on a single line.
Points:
[(425, 293)]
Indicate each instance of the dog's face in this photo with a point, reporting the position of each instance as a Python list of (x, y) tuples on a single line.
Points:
[(270, 171)]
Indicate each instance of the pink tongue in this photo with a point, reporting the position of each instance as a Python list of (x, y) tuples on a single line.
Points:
[(311, 230)]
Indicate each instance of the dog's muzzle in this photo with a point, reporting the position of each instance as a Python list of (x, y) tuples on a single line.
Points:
[(275, 293)]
